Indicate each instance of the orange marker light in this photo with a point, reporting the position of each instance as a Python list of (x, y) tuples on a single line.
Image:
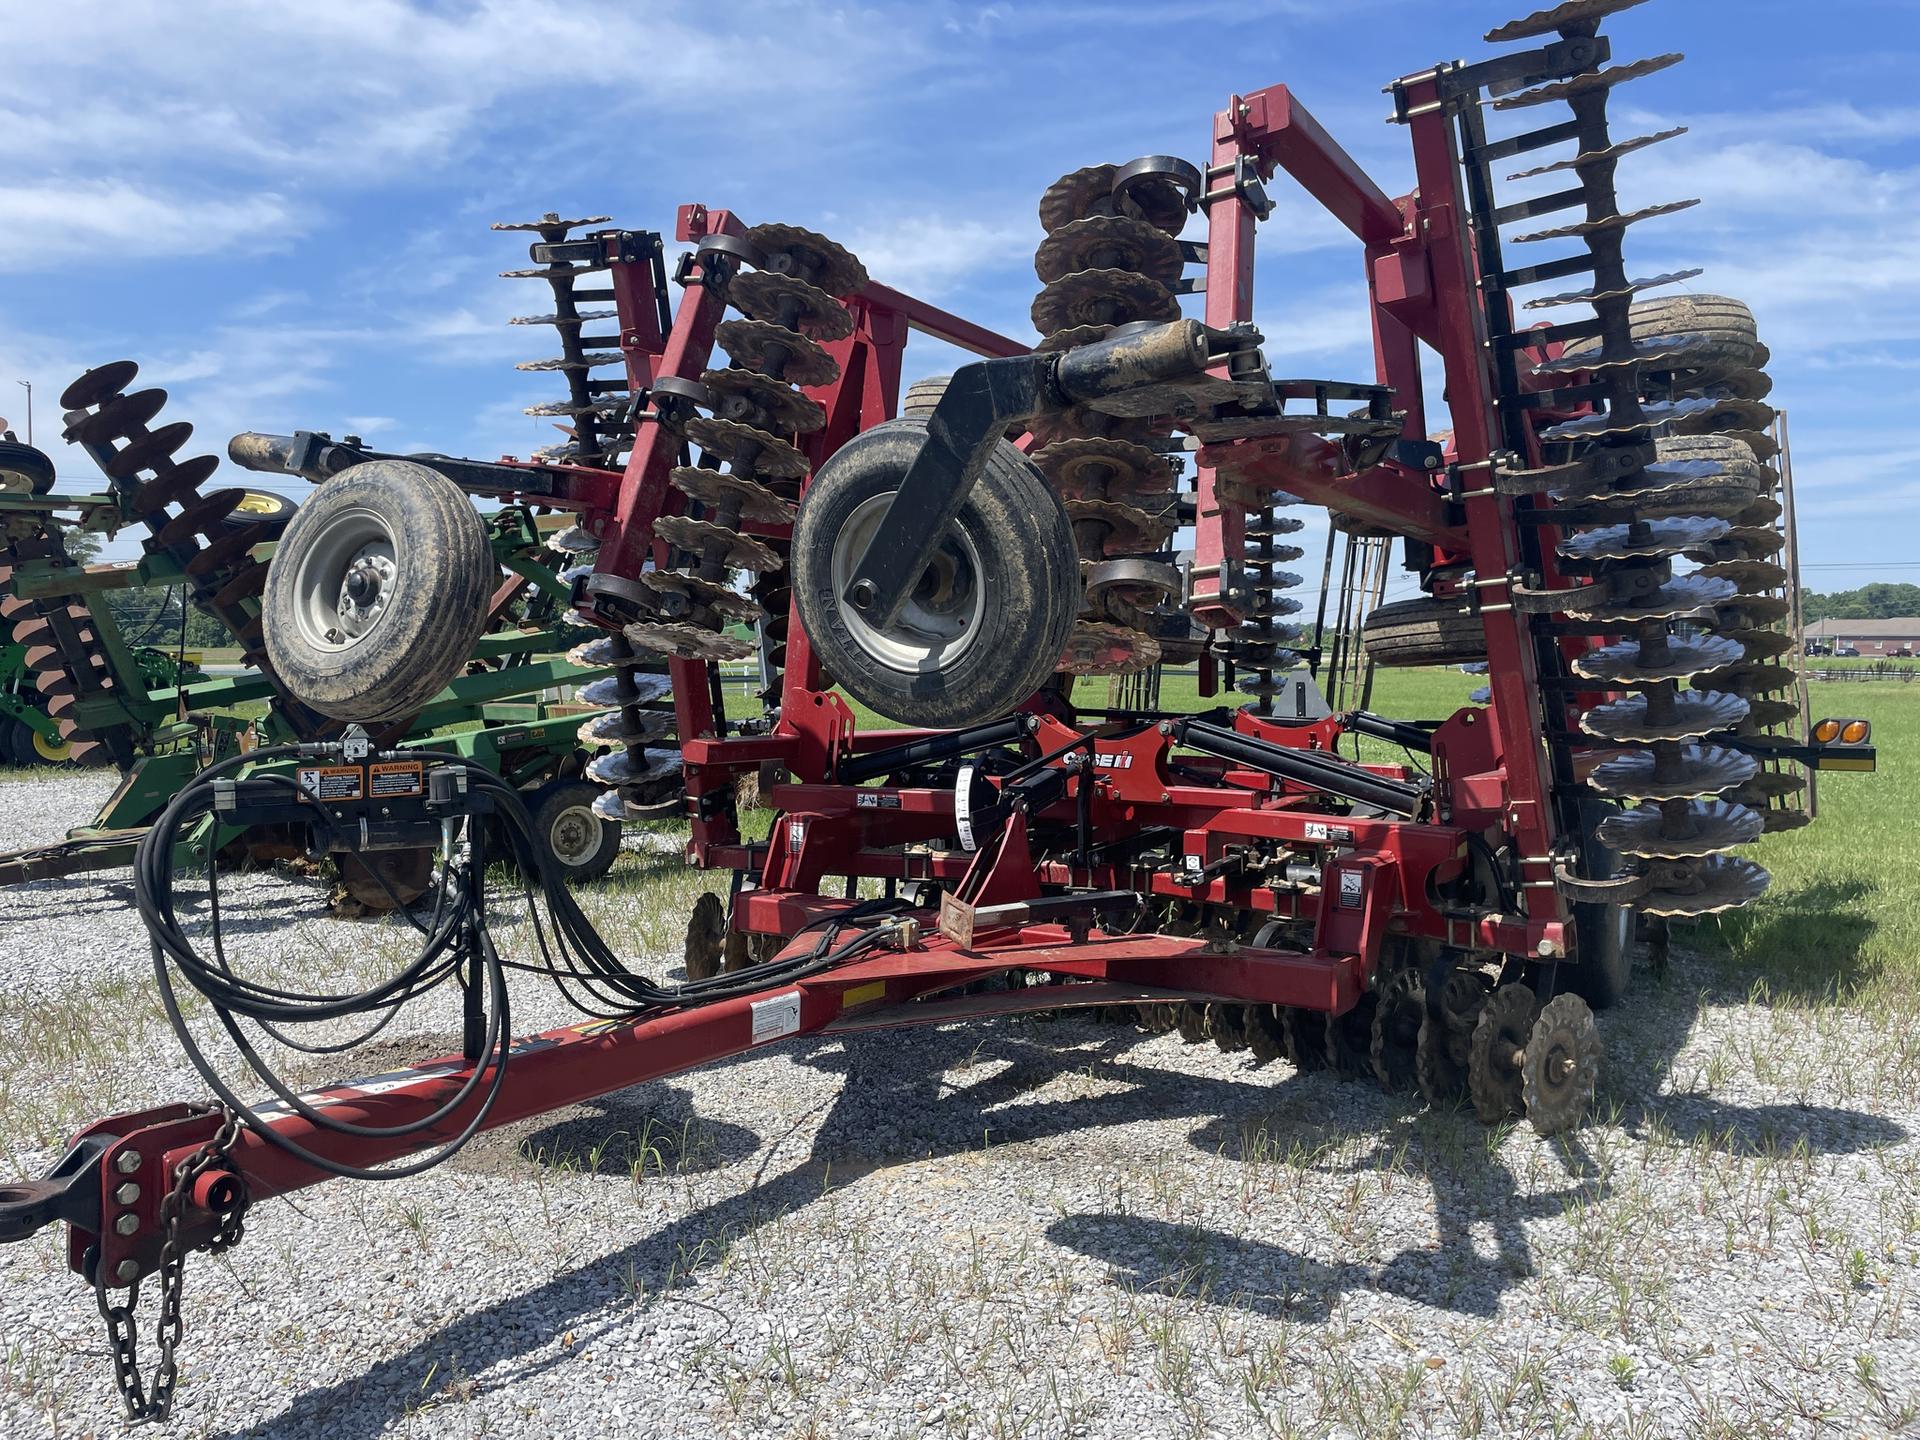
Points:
[(1855, 732), (1826, 732)]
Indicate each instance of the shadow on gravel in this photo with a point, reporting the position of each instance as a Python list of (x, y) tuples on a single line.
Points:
[(647, 1131), (931, 1106), (954, 1091)]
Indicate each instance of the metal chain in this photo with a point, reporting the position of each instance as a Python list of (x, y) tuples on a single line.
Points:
[(155, 1403)]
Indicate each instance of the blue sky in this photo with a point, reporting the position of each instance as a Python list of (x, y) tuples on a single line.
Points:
[(281, 211)]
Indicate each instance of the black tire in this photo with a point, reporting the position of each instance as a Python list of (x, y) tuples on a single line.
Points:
[(1010, 548), (261, 507), (581, 843), (923, 395), (1723, 326), (24, 469), (432, 607), (16, 743), (1602, 934), (1423, 631)]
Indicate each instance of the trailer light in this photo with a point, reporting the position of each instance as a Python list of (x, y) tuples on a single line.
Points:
[(1826, 732), (1855, 732)]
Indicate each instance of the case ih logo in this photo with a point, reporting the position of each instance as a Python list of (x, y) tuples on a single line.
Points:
[(1119, 760)]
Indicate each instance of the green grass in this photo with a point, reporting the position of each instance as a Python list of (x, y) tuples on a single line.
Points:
[(1843, 914)]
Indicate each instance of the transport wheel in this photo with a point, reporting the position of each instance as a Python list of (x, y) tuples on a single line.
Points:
[(581, 842), (1423, 631), (1562, 1068), (261, 507), (706, 936), (24, 470), (1498, 1050), (990, 617), (378, 591)]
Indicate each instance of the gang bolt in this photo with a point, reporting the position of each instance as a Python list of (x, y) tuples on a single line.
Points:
[(126, 1224), (127, 1161), (126, 1192), (127, 1271)]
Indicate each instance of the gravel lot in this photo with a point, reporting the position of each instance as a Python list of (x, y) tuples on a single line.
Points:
[(1026, 1228)]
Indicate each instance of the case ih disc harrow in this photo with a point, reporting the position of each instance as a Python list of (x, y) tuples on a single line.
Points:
[(1444, 927)]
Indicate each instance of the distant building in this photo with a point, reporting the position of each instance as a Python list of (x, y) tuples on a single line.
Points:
[(1899, 636)]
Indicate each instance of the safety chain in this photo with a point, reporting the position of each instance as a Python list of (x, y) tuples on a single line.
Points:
[(154, 1404)]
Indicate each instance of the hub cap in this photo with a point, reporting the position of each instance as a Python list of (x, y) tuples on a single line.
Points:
[(942, 617)]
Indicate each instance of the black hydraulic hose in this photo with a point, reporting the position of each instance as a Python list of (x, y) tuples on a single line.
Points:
[(575, 954), (1320, 772), (858, 769)]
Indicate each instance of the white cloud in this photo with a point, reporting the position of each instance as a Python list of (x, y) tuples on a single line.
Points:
[(50, 224), (928, 255)]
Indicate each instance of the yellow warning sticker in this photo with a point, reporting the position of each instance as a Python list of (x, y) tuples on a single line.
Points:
[(863, 994)]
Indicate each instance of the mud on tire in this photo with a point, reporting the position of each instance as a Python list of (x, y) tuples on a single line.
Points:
[(427, 572)]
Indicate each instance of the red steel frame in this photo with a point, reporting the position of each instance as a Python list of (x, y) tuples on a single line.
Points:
[(1489, 765)]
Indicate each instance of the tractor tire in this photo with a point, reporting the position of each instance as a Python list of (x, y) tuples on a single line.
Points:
[(1423, 631), (989, 620), (420, 552), (581, 844), (1724, 327)]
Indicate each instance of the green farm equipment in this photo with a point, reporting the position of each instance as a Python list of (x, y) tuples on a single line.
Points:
[(95, 699)]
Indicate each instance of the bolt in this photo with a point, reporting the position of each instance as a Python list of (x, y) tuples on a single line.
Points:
[(127, 1161), (1547, 947), (864, 594), (126, 1192), (126, 1224), (127, 1271)]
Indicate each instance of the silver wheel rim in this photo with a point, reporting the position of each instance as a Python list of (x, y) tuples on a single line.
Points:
[(941, 619), (345, 579), (574, 835)]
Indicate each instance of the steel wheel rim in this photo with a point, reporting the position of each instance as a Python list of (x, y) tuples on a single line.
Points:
[(573, 836), (942, 618), (327, 612), (54, 752)]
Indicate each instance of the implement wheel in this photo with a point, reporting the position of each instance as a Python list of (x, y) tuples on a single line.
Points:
[(1423, 631), (260, 507), (581, 843), (378, 591), (990, 617)]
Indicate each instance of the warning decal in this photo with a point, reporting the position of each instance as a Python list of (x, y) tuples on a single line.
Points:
[(332, 782), (397, 777), (776, 1016)]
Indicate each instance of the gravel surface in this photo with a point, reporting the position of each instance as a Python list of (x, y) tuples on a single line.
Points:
[(1024, 1228)]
